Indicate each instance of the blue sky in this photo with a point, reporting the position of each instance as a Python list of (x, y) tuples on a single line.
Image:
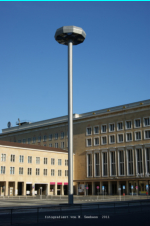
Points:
[(111, 67)]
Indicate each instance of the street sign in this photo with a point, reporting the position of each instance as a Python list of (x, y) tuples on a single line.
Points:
[(131, 186), (97, 187), (87, 187), (136, 187), (123, 186), (103, 187), (146, 186)]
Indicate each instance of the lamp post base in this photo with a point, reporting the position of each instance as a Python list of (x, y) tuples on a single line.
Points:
[(70, 199)]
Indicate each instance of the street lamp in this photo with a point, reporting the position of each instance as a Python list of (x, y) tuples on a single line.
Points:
[(70, 35)]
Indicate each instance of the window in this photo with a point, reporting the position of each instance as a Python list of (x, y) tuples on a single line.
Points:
[(89, 164), (29, 140), (19, 141), (111, 127), (59, 162), (66, 162), (37, 160), (120, 126), (97, 165), (44, 138), (103, 128), (21, 158), (62, 145), (29, 171), (37, 171), (12, 158), (104, 140), (50, 145), (29, 159), (137, 123), (113, 164), (128, 124), (62, 135), (12, 170), (112, 139), (120, 138), (66, 173), (34, 140), (121, 163), (139, 161), (128, 137), (88, 142), (59, 173), (3, 157), (56, 136), (56, 145), (96, 141), (50, 137), (45, 160), (21, 170), (147, 121), (39, 138), (52, 161), (105, 164), (89, 131), (52, 172), (2, 169), (24, 141), (96, 129), (148, 160), (138, 135), (130, 162), (45, 172), (147, 134)]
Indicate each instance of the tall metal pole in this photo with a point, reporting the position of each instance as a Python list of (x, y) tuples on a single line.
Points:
[(70, 125)]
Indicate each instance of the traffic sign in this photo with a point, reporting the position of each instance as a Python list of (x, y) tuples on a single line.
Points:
[(103, 187), (87, 187), (97, 187), (131, 186), (136, 187), (123, 186), (146, 186)]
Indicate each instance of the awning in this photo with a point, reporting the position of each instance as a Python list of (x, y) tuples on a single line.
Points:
[(52, 183), (65, 183), (59, 183)]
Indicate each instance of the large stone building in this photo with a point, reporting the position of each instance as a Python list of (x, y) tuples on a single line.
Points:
[(111, 146)]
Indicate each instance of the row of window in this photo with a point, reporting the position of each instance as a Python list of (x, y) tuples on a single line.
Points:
[(120, 138), (121, 163), (29, 171), (21, 160), (111, 127)]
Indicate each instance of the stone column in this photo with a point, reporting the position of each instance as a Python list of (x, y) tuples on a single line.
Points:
[(6, 188), (93, 188), (101, 184), (24, 189), (118, 186), (16, 188), (109, 188), (33, 189), (47, 189), (127, 187), (62, 189), (55, 188)]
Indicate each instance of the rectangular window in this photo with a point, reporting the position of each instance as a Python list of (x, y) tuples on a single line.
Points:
[(128, 124), (147, 121), (34, 140), (21, 170), (56, 136), (50, 137), (12, 158), (52, 161), (21, 158), (120, 126), (104, 140), (105, 164), (130, 162), (59, 162), (103, 128), (44, 138), (97, 165), (29, 140), (3, 157), (89, 142), (37, 171), (120, 138), (52, 172), (138, 135), (89, 164), (12, 170), (59, 173), (147, 134), (50, 145), (121, 163), (56, 145), (139, 161), (66, 162), (24, 141), (112, 139), (96, 130), (62, 145), (66, 173), (111, 127), (62, 135), (45, 160), (89, 131), (29, 171), (148, 159), (39, 138), (2, 169), (37, 160), (19, 141), (137, 123), (45, 172), (96, 141), (128, 136), (29, 159), (113, 164)]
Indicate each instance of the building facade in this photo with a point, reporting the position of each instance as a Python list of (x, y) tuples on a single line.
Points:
[(111, 147)]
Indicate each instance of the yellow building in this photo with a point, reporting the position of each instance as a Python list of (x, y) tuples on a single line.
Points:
[(111, 146)]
